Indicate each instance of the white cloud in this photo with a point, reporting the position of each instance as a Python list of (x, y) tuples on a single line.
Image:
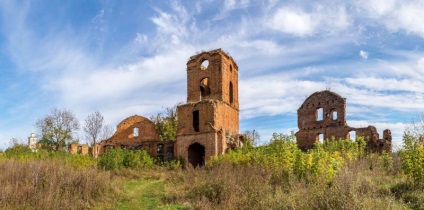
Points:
[(377, 8), (293, 21), (396, 15), (363, 54)]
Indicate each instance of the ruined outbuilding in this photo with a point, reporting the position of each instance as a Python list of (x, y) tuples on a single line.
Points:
[(322, 116), (208, 124), (137, 133), (80, 149)]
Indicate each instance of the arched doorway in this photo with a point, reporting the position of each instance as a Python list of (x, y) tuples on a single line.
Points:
[(196, 155)]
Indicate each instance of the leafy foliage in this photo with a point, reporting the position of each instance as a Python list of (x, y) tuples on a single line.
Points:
[(118, 158), (58, 128), (282, 155), (413, 158), (166, 123)]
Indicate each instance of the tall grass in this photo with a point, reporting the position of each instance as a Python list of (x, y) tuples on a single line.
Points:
[(50, 184), (229, 186), (334, 175)]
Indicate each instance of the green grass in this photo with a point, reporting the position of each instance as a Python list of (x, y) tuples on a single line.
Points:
[(145, 192)]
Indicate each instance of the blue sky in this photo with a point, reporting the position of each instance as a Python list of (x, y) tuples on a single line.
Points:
[(129, 57)]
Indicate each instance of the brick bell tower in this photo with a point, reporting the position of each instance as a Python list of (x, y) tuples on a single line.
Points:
[(210, 118)]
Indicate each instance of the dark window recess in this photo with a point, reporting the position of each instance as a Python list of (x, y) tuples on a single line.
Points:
[(160, 149), (169, 153), (196, 123), (231, 93), (205, 90)]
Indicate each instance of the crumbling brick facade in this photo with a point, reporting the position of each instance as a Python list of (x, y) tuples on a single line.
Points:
[(208, 124), (323, 115), (137, 133), (80, 149)]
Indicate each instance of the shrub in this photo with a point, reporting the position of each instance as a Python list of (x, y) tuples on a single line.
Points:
[(413, 159), (118, 158)]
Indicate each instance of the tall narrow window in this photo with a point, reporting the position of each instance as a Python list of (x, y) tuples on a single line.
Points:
[(196, 123), (135, 132), (334, 115), (231, 93), (320, 114), (352, 135), (204, 88), (321, 138)]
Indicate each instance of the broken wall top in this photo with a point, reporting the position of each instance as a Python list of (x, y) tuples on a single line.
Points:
[(134, 129), (212, 75), (212, 53), (321, 109)]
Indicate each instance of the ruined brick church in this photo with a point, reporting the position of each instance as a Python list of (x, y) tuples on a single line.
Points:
[(208, 124)]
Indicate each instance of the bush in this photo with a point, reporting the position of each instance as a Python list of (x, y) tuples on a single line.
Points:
[(283, 156), (118, 158), (18, 151), (412, 157)]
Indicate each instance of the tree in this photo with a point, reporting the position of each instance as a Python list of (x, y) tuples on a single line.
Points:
[(107, 132), (58, 127), (93, 127), (166, 123), (416, 128), (252, 137)]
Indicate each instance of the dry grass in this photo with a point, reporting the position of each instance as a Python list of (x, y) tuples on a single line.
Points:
[(244, 187), (50, 184)]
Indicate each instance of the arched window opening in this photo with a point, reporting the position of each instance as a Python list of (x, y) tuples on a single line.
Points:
[(231, 93), (231, 68), (320, 138), (196, 155), (204, 88), (320, 114), (204, 65), (135, 132), (352, 135)]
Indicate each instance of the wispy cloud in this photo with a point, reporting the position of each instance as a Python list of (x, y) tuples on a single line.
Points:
[(285, 51)]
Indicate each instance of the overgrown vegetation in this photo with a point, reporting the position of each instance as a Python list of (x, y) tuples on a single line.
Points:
[(166, 123), (52, 184), (333, 175), (117, 158)]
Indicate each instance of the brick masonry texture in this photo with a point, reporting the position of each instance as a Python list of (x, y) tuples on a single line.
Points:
[(209, 120), (208, 123), (324, 113)]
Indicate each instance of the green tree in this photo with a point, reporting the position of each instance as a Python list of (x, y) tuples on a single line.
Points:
[(166, 123), (58, 128), (412, 154)]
